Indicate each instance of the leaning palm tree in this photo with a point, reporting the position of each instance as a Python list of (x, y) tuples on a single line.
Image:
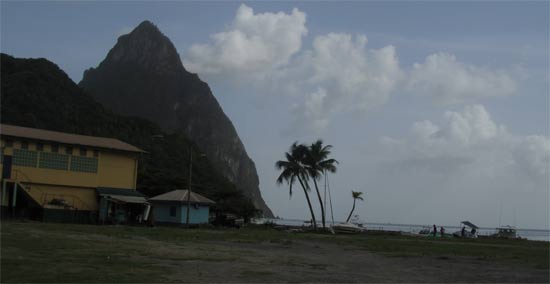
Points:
[(356, 195), (292, 170), (316, 164)]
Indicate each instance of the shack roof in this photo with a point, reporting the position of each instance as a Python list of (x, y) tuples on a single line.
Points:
[(118, 191), (128, 199), (470, 224), (180, 195), (66, 138)]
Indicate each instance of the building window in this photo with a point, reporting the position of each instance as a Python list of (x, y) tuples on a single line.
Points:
[(24, 145), (54, 161), (25, 158), (172, 211), (69, 150), (9, 143), (96, 153), (55, 148), (83, 151), (84, 164), (39, 146)]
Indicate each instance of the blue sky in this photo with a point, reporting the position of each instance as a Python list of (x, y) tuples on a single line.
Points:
[(430, 107)]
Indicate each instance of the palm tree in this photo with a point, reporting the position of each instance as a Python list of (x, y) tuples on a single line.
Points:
[(356, 195), (316, 164), (292, 170)]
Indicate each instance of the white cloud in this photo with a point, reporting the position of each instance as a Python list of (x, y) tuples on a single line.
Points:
[(253, 42), (448, 81), (532, 155), (310, 114), (471, 126), (462, 166), (338, 75), (352, 78), (470, 143)]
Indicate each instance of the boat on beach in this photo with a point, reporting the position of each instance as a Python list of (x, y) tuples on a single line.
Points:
[(471, 232), (506, 232), (347, 228)]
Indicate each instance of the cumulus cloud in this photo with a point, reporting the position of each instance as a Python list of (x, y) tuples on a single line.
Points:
[(532, 155), (470, 143), (342, 71), (253, 42), (338, 75), (310, 114), (449, 81)]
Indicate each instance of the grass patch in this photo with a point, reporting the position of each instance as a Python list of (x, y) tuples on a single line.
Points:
[(288, 261), (256, 273), (47, 252), (532, 253)]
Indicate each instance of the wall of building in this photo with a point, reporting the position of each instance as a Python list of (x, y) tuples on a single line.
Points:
[(196, 215), (74, 176), (161, 213), (117, 170)]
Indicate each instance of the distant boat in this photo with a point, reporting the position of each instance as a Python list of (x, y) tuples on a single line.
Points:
[(259, 221), (506, 232), (426, 231), (347, 228), (471, 232)]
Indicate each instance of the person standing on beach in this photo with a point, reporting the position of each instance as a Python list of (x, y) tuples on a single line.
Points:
[(435, 230), (442, 231)]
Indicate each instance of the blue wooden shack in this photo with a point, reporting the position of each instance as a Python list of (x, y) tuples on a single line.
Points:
[(171, 207)]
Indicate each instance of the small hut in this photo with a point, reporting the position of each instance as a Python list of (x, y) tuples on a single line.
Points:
[(171, 207)]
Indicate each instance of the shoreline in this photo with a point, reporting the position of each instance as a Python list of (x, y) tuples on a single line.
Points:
[(544, 235)]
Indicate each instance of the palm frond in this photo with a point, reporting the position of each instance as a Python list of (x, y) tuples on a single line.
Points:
[(357, 195)]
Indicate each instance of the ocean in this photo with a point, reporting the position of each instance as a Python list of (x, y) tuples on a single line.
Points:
[(530, 234)]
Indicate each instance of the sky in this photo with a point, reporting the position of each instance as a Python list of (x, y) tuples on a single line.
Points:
[(437, 111)]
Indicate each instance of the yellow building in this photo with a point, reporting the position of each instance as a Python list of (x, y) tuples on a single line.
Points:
[(44, 171)]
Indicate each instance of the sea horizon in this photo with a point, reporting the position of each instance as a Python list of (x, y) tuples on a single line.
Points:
[(528, 233)]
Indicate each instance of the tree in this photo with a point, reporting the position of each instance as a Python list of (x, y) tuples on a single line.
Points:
[(292, 170), (317, 164), (356, 195)]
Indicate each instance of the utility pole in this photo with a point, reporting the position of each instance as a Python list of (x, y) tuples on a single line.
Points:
[(189, 186)]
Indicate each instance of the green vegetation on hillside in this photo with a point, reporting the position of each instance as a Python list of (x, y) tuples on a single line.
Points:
[(37, 93)]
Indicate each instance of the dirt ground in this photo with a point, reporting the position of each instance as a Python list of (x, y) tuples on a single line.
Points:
[(322, 262), (87, 257)]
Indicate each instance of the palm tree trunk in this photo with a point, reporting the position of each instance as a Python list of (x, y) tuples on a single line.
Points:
[(320, 202), (309, 204), (352, 208)]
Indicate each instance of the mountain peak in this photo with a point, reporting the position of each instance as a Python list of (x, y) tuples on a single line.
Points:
[(147, 28), (146, 25), (146, 46), (143, 76)]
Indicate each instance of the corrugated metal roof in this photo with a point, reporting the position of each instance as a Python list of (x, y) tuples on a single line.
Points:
[(128, 199), (180, 195), (118, 191), (66, 138)]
